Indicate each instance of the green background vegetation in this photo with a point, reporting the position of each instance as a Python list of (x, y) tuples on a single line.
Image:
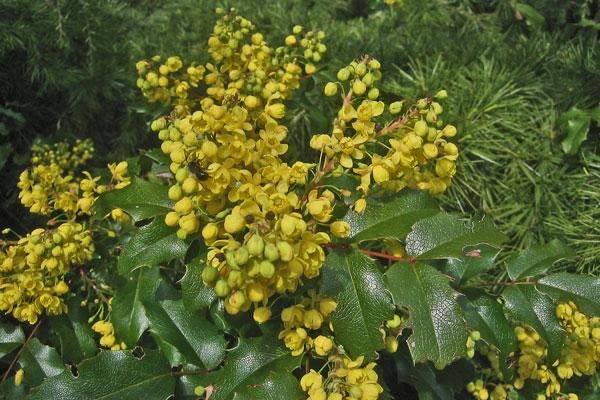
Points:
[(512, 69)]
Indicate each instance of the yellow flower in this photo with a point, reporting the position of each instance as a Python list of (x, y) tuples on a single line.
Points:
[(323, 345), (340, 228), (312, 380), (262, 314), (294, 340), (313, 319)]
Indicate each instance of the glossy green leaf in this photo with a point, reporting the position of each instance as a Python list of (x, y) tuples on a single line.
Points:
[(393, 218), (430, 383), (128, 311), (446, 236), (363, 304), (584, 290), (39, 362), (537, 260), (112, 375), (11, 337), (439, 331), (196, 295), (77, 340), (576, 125), (150, 245), (185, 337), (486, 315), (188, 382), (533, 17), (536, 309), (140, 199), (258, 368), (477, 260)]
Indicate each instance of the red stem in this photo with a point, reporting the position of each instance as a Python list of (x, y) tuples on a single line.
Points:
[(14, 361), (411, 260)]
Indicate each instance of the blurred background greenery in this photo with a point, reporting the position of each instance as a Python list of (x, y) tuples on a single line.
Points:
[(523, 78)]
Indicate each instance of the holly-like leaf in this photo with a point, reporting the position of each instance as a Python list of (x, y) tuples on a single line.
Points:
[(77, 339), (576, 125), (196, 295), (422, 377), (39, 362), (536, 309), (258, 368), (363, 304), (584, 290), (476, 260), (185, 336), (437, 321), (128, 310), (11, 337), (484, 314), (112, 375), (393, 218), (537, 260), (186, 384), (446, 236), (140, 199), (150, 245)]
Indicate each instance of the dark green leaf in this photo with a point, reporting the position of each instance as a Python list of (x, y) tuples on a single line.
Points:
[(112, 375), (9, 391), (258, 368), (39, 361), (150, 245), (576, 125), (11, 337), (439, 331), (528, 305), (477, 260), (484, 314), (185, 336), (537, 260), (196, 295), (363, 304), (128, 311), (140, 199), (445, 236), (532, 16), (584, 290), (188, 382), (393, 218), (5, 152), (77, 339), (422, 377)]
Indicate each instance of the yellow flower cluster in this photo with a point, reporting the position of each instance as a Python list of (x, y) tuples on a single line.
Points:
[(53, 184), (245, 68), (262, 226), (580, 356), (311, 314), (108, 339), (582, 349), (32, 270), (346, 379), (411, 151)]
